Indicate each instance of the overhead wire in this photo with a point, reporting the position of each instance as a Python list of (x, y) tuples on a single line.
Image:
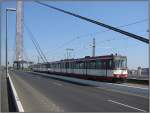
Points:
[(26, 55), (89, 34)]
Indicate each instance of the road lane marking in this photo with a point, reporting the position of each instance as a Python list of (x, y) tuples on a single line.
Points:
[(129, 86), (16, 97), (123, 92), (126, 105), (58, 84), (132, 86)]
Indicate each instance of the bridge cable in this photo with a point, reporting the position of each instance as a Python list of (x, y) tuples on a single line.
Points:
[(36, 44), (145, 40), (41, 54)]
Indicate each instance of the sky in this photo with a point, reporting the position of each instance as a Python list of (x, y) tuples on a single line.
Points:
[(56, 31)]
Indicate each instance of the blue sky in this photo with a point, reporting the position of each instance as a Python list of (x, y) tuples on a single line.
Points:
[(52, 29)]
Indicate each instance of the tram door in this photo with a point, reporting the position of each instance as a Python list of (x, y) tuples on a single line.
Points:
[(105, 64)]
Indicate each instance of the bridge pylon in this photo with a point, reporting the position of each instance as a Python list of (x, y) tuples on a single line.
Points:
[(19, 62)]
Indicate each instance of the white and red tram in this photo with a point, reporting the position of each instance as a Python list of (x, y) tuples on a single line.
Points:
[(108, 67)]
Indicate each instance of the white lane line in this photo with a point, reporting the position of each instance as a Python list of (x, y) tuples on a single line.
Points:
[(16, 97), (132, 86), (126, 105), (129, 86), (58, 84), (123, 92)]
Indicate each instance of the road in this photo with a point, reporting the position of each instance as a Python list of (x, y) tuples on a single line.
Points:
[(42, 94)]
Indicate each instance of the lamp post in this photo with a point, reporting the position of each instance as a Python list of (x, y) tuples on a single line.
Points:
[(7, 9)]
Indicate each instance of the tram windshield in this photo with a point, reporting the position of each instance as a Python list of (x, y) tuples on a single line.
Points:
[(120, 62)]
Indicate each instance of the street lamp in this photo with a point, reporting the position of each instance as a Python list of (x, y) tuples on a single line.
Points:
[(10, 9), (7, 9)]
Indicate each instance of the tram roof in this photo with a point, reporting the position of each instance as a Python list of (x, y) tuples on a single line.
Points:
[(88, 58)]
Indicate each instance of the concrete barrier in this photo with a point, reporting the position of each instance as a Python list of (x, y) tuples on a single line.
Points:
[(15, 96)]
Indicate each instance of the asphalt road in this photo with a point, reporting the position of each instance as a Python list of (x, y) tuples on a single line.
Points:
[(38, 93)]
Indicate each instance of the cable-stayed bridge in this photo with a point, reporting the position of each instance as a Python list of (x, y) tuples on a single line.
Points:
[(93, 83)]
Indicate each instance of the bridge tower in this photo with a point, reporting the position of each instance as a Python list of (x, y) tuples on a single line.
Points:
[(18, 63)]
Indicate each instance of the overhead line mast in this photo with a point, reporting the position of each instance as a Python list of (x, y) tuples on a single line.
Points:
[(145, 40), (93, 47)]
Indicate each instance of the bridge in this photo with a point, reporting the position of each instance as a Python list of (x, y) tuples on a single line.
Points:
[(28, 88)]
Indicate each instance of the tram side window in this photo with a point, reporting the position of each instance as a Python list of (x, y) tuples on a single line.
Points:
[(66, 65), (92, 64), (43, 66), (58, 65), (81, 65), (63, 65), (88, 65), (109, 64), (77, 65), (103, 64), (47, 65), (98, 64), (69, 65), (55, 65), (106, 64), (72, 65)]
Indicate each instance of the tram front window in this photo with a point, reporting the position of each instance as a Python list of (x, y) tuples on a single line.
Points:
[(121, 63)]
